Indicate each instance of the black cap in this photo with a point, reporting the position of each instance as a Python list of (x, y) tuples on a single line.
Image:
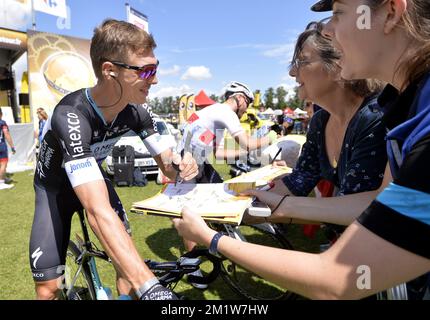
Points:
[(323, 5)]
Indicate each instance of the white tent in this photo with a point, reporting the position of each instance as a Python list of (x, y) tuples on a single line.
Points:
[(299, 111), (268, 111)]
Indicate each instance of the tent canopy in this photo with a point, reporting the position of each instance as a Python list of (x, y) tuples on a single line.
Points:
[(202, 100)]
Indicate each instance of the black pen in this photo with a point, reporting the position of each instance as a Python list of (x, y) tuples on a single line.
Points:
[(273, 160)]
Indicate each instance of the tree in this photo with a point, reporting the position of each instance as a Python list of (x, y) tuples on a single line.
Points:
[(294, 102), (214, 98), (281, 94), (269, 97)]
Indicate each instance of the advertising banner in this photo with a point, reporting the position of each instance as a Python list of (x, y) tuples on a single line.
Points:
[(54, 7), (13, 40), (58, 65), (137, 18)]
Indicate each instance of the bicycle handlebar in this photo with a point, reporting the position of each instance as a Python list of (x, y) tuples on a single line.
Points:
[(216, 262)]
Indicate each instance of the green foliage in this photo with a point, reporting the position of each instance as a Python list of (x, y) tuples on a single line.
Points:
[(269, 97), (280, 95), (294, 102), (155, 239)]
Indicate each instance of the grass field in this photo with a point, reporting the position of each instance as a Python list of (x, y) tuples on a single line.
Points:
[(155, 237)]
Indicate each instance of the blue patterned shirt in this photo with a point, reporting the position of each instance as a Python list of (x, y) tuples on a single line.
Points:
[(362, 160)]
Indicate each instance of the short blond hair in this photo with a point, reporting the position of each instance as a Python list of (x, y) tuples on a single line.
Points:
[(114, 40)]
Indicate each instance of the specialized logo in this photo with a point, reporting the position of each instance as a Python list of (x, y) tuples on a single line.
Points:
[(36, 256), (74, 126)]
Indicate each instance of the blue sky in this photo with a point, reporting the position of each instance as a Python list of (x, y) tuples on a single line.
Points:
[(205, 44)]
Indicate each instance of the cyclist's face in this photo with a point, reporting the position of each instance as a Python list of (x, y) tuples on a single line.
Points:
[(135, 88), (243, 105)]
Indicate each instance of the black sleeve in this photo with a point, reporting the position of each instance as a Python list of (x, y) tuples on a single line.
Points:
[(401, 213), (73, 131), (146, 125)]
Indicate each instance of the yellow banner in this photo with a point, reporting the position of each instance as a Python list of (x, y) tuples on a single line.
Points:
[(183, 109), (191, 106)]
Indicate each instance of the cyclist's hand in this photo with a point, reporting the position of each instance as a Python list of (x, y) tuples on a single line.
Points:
[(188, 168), (13, 150), (192, 227)]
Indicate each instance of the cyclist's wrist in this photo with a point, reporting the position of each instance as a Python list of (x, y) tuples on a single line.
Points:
[(146, 286)]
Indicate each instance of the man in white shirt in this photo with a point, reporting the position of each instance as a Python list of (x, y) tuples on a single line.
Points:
[(207, 127)]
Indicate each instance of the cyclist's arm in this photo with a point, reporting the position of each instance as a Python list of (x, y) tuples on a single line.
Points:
[(248, 143), (111, 232), (161, 150), (334, 274)]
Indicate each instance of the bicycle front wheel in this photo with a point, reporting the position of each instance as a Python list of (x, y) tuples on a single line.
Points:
[(78, 283), (245, 283)]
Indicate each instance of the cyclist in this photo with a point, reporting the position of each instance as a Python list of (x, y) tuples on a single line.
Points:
[(4, 137), (207, 128), (388, 244), (82, 130)]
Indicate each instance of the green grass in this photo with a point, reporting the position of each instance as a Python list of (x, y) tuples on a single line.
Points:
[(155, 239)]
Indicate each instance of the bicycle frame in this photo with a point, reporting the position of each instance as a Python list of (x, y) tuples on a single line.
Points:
[(87, 257), (167, 272)]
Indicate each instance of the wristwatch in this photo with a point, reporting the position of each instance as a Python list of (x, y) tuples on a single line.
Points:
[(213, 248)]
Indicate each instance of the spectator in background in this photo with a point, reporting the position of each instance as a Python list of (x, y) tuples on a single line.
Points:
[(43, 117), (4, 137)]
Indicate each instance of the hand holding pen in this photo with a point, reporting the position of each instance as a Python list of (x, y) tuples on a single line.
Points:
[(184, 164)]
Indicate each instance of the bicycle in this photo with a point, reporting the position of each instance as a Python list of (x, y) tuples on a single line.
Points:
[(245, 283), (82, 281)]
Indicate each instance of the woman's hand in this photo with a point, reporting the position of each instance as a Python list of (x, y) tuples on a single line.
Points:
[(192, 227), (267, 197), (279, 187)]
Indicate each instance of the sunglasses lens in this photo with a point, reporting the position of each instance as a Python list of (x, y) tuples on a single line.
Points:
[(148, 73)]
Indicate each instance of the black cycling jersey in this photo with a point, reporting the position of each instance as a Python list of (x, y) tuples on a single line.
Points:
[(76, 138)]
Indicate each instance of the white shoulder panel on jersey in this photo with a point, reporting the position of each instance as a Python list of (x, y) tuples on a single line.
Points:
[(83, 171), (156, 144)]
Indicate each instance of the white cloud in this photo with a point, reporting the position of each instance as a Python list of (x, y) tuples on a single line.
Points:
[(15, 15), (285, 52), (174, 71), (169, 91), (197, 73), (289, 85)]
